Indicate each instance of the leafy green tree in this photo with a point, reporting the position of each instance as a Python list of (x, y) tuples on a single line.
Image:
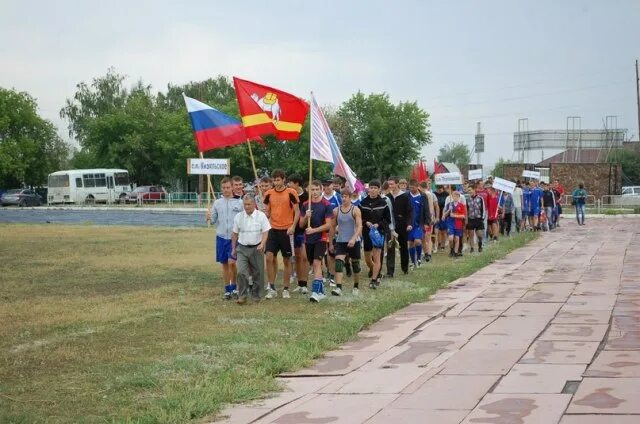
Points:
[(130, 128), (30, 148), (630, 162), (457, 153), (379, 139), (498, 168)]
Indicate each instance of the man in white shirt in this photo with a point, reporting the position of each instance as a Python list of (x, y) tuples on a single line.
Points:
[(248, 240), (517, 203)]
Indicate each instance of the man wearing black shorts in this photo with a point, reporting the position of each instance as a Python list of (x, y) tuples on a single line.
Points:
[(476, 211), (376, 214), (302, 268), (283, 210), (347, 223), (317, 217)]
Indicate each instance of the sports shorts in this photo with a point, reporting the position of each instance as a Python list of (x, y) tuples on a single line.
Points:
[(279, 241), (416, 233), (298, 240), (316, 251), (342, 248), (475, 224), (442, 225), (456, 232), (223, 250), (534, 212)]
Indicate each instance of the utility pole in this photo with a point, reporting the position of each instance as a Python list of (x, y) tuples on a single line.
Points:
[(638, 98)]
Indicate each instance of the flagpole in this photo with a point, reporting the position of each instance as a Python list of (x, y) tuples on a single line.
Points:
[(313, 102), (253, 162), (208, 192)]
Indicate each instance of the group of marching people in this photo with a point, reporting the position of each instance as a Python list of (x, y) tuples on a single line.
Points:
[(322, 228)]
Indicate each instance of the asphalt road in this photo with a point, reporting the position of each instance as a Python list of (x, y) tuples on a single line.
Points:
[(102, 217)]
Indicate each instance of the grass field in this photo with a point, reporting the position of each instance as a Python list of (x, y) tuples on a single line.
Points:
[(127, 324)]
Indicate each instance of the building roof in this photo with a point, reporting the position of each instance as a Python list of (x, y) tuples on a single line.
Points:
[(577, 156)]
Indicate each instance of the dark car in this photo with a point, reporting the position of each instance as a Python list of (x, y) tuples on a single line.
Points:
[(142, 194), (20, 197)]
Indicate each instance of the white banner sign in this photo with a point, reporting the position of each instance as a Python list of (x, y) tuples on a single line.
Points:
[(475, 174), (531, 174), (448, 178), (209, 166), (504, 185)]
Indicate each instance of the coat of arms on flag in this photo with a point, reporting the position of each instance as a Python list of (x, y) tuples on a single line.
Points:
[(266, 110)]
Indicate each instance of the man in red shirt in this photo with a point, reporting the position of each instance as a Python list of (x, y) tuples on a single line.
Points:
[(559, 192), (492, 213), (458, 212)]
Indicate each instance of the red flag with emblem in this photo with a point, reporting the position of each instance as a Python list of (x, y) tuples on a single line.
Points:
[(266, 110)]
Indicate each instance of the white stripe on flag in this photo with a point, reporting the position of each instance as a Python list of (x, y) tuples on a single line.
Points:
[(325, 148), (320, 147)]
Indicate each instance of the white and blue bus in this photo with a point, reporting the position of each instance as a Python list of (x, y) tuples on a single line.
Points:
[(88, 186)]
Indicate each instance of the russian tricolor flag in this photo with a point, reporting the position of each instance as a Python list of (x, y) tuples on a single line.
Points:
[(212, 128)]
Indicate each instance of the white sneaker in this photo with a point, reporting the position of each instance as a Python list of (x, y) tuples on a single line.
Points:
[(303, 290), (316, 297), (336, 291), (355, 291), (332, 282), (271, 294), (285, 294)]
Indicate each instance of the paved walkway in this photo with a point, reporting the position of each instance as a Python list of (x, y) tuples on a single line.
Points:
[(550, 334)]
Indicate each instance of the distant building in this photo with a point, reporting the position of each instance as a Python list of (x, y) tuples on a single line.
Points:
[(566, 146)]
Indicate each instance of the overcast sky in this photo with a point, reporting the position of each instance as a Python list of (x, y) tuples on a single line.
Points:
[(462, 61)]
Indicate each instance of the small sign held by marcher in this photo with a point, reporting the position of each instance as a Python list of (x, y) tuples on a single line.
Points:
[(208, 166), (535, 175), (448, 178), (504, 185), (475, 174)]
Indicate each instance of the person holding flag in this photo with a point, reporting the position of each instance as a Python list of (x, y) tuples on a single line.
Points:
[(316, 219), (213, 130)]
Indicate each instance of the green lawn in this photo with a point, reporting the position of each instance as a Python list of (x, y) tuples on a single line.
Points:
[(127, 324)]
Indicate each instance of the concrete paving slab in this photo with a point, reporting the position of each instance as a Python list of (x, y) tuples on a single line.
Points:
[(582, 317), (482, 361), (548, 292), (333, 409), (615, 363), (336, 363), (533, 309), (600, 419), (389, 415), (607, 396), (539, 378), (519, 409), (448, 392), (560, 352), (575, 332)]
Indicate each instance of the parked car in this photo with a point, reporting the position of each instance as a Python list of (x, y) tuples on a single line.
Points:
[(631, 191), (146, 194), (20, 197)]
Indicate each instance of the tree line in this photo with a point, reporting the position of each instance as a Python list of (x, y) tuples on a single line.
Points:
[(131, 126)]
